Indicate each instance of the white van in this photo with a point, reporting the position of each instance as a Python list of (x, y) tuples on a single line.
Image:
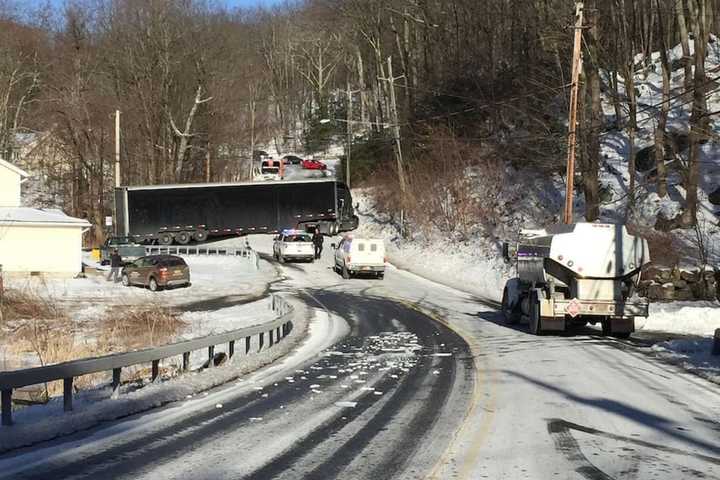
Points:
[(355, 256)]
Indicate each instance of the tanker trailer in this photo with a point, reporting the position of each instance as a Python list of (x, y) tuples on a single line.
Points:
[(576, 274)]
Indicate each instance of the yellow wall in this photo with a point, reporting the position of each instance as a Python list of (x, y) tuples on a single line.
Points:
[(45, 249), (9, 188)]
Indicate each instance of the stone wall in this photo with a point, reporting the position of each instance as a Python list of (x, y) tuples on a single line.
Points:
[(669, 284)]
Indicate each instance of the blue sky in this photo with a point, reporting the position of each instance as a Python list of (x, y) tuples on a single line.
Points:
[(229, 3)]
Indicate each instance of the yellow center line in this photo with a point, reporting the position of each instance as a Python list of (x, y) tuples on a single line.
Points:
[(483, 385)]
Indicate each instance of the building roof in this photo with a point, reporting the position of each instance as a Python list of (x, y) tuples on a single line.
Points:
[(13, 168), (34, 216)]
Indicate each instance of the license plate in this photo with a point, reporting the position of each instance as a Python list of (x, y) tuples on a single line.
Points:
[(365, 268)]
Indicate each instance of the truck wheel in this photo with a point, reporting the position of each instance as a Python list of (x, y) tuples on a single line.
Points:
[(345, 272), (153, 285), (165, 238), (200, 235), (512, 315), (183, 238), (535, 322)]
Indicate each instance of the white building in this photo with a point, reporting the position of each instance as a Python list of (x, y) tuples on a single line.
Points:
[(34, 241)]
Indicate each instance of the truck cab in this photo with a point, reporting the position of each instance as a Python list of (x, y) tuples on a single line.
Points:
[(128, 249)]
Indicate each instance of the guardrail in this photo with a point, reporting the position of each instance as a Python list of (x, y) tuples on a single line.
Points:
[(197, 250), (67, 371)]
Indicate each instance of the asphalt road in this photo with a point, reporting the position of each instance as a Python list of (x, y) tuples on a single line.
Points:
[(425, 383)]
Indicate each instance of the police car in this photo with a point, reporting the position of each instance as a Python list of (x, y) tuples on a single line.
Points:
[(293, 245)]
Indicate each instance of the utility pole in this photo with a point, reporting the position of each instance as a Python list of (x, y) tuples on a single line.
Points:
[(348, 152), (572, 121), (117, 148), (117, 169), (252, 139), (396, 130)]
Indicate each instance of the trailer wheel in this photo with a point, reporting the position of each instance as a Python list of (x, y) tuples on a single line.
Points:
[(200, 235), (166, 238), (535, 322), (183, 238), (512, 315)]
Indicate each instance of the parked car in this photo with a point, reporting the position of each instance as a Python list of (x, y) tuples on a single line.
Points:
[(126, 247), (310, 164), (355, 256), (293, 159), (156, 272), (270, 170), (293, 245)]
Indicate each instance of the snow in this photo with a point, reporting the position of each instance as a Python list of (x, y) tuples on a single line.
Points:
[(19, 215), (464, 266), (694, 355), (683, 318), (44, 422)]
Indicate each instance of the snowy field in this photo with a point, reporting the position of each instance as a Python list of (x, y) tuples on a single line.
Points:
[(222, 297)]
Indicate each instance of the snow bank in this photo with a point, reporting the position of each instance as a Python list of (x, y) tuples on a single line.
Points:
[(684, 318), (693, 355), (472, 266)]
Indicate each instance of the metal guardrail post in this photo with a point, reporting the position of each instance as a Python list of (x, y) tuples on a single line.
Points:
[(7, 407), (716, 343), (261, 342), (67, 394), (247, 345), (231, 349), (116, 383), (271, 340), (211, 356), (186, 361), (155, 370)]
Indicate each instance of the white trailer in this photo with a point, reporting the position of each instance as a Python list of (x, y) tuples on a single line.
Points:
[(576, 274)]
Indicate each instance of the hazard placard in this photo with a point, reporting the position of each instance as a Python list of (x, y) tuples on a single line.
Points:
[(573, 308)]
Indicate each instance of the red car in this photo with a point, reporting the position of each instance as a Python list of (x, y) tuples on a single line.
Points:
[(313, 165)]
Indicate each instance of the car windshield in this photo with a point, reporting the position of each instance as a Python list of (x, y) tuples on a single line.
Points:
[(298, 238)]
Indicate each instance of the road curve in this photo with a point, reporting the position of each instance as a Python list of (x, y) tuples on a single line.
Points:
[(429, 383), (398, 378)]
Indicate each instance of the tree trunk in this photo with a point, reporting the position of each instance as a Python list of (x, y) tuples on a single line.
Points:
[(660, 130), (591, 185), (698, 120)]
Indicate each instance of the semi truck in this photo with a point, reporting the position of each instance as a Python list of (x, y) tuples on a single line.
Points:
[(167, 214), (576, 274)]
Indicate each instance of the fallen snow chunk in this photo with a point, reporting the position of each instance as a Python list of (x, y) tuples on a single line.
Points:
[(370, 389), (257, 388), (436, 372), (393, 376), (218, 405), (359, 381), (346, 405), (378, 393), (314, 385), (442, 354), (256, 419), (264, 395), (316, 391)]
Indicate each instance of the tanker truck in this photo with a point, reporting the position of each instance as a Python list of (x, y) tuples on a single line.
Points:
[(576, 274)]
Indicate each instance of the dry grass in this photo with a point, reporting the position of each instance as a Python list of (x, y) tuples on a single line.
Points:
[(34, 325), (140, 327)]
